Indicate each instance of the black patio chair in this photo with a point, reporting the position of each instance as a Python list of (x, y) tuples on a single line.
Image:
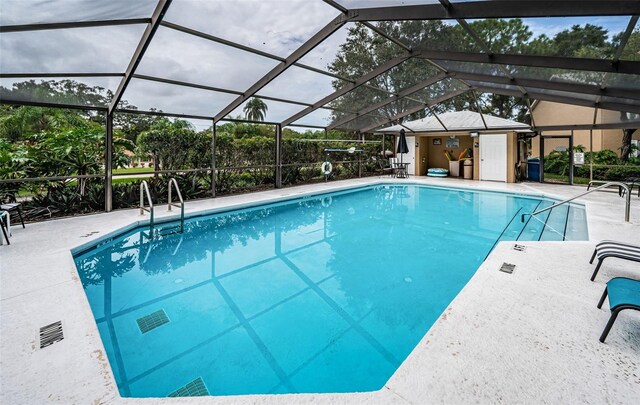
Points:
[(12, 205)]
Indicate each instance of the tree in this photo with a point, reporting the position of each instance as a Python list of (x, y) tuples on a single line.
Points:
[(364, 50), (630, 52), (255, 109), (176, 145)]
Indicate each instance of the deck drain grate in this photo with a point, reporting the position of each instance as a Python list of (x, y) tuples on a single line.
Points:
[(519, 248), (154, 320), (195, 388), (51, 334), (507, 268)]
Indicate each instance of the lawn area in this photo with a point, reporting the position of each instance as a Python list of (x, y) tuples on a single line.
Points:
[(133, 170), (558, 178)]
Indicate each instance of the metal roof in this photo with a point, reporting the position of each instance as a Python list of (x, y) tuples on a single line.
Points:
[(456, 121), (205, 60)]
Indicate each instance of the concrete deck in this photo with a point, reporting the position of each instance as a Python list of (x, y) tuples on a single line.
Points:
[(528, 337)]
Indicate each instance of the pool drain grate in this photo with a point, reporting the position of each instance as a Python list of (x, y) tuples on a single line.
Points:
[(507, 268), (154, 320), (51, 334), (519, 248), (195, 388)]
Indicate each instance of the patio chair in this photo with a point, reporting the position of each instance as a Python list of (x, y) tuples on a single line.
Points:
[(392, 164), (624, 293), (383, 166), (612, 248), (4, 224), (12, 206)]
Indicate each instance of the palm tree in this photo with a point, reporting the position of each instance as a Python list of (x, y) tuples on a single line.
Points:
[(255, 109)]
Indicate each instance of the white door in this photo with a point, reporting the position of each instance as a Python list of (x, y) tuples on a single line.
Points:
[(411, 156), (493, 157)]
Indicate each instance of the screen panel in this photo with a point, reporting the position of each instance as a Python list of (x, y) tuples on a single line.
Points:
[(320, 117), (19, 12), (330, 54), (274, 26), (81, 91), (273, 111), (184, 57), (298, 84), (73, 50), (147, 95)]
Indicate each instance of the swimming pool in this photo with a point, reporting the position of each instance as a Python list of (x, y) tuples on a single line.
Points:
[(320, 294)]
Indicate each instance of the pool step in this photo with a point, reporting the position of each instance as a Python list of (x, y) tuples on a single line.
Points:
[(565, 222), (534, 226)]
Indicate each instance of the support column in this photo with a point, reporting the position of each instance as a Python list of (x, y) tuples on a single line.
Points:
[(571, 163), (108, 165), (591, 155), (278, 162), (541, 158), (360, 156), (213, 161)]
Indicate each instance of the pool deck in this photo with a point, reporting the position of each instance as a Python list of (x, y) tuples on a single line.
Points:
[(526, 337)]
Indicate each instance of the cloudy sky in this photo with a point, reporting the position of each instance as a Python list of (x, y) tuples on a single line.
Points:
[(274, 26)]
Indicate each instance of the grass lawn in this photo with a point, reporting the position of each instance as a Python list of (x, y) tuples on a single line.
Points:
[(133, 170), (558, 178), (128, 180)]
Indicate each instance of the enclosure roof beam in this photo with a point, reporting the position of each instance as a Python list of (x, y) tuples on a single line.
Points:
[(44, 75), (72, 24), (437, 118), (211, 88), (406, 92), (563, 99), (549, 85), (623, 43), (4, 100), (147, 37), (410, 111), (578, 127), (390, 64), (244, 48), (558, 62), (305, 48), (498, 9)]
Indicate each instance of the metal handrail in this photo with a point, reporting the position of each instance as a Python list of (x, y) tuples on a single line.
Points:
[(611, 183), (144, 189), (172, 183)]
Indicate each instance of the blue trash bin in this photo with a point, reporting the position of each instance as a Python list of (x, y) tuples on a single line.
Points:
[(533, 169)]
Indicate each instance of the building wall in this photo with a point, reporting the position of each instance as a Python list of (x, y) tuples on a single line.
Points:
[(429, 155), (549, 113)]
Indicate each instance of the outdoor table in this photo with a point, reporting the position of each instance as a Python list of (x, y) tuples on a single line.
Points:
[(401, 170)]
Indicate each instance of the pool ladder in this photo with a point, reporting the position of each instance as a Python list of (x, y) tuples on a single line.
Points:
[(144, 192)]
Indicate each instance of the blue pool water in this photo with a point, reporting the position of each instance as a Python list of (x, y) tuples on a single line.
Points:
[(322, 294)]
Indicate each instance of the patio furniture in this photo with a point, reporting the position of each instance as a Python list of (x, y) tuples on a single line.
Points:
[(612, 248), (632, 182), (386, 169), (624, 293), (401, 170), (12, 206), (5, 225), (392, 163)]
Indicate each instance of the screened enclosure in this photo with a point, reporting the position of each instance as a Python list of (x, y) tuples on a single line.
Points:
[(231, 96)]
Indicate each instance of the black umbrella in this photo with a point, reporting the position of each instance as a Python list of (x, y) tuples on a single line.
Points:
[(402, 145)]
